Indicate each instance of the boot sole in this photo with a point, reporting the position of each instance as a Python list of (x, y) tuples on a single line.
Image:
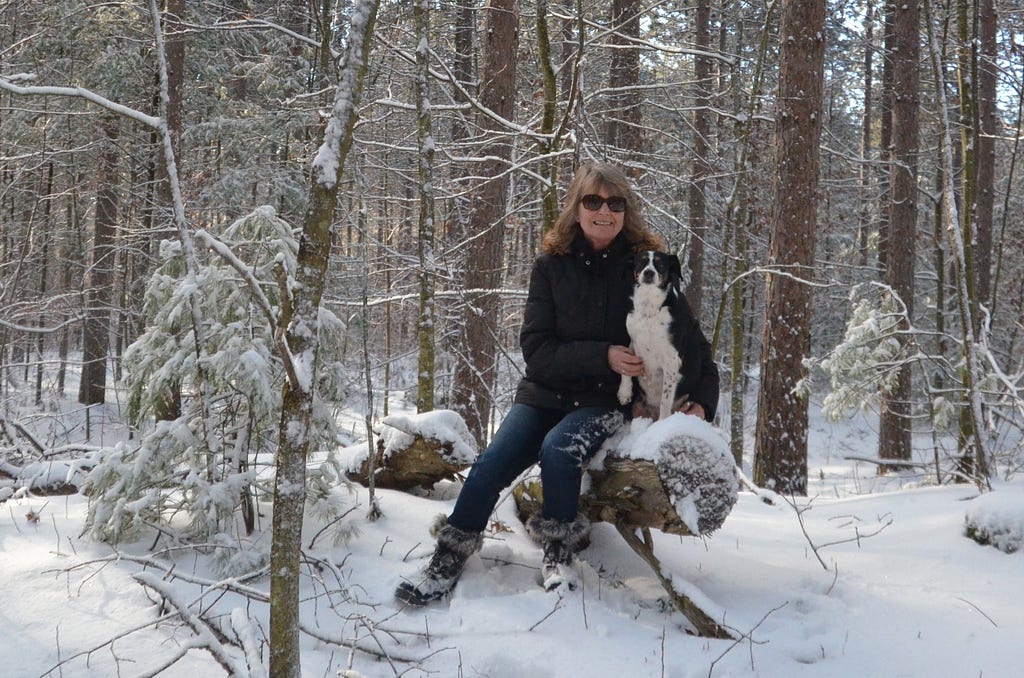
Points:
[(408, 594)]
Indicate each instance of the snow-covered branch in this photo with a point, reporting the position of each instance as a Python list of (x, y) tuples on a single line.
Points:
[(6, 83)]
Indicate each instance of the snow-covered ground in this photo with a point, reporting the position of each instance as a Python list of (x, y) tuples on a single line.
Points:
[(903, 593)]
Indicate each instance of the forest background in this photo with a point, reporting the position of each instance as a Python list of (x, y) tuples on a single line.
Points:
[(179, 182)]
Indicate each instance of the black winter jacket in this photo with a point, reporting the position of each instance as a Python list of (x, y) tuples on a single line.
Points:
[(575, 310)]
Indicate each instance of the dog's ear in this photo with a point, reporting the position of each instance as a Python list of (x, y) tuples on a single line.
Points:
[(675, 269), (675, 275)]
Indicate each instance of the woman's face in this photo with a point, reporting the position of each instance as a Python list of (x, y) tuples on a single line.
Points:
[(601, 225)]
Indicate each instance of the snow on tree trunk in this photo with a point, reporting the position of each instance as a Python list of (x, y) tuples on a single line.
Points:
[(780, 457), (425, 242), (963, 267), (300, 345)]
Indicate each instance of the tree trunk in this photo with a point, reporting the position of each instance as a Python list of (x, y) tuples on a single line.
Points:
[(548, 166), (894, 432), (739, 215), (174, 48), (986, 156), (780, 455), (301, 342), (425, 240), (699, 165), (867, 132), (44, 268), (96, 326), (885, 131), (474, 375), (974, 456), (622, 129)]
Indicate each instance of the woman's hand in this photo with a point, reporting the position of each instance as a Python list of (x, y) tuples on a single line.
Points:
[(623, 361), (696, 409)]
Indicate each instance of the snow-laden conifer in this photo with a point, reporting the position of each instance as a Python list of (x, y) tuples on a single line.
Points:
[(192, 474), (864, 363)]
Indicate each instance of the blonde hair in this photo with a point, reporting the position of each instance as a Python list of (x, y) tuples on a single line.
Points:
[(591, 178)]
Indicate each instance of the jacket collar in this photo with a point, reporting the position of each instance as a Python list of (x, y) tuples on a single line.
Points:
[(581, 247)]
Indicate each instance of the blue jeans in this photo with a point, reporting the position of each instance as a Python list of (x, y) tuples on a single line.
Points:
[(559, 441)]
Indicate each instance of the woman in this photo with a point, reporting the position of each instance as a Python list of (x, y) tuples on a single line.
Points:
[(575, 346)]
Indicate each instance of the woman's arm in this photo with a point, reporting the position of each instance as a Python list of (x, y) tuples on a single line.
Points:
[(545, 352)]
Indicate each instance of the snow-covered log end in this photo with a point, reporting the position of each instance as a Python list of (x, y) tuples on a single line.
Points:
[(694, 463), (414, 450), (445, 427), (997, 519)]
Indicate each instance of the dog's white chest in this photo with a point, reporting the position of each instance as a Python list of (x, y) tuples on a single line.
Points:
[(650, 332), (649, 325), (652, 340)]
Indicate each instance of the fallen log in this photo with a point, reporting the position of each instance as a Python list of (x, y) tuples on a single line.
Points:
[(416, 451), (675, 475)]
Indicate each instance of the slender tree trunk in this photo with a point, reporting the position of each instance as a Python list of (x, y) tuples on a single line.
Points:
[(548, 165), (986, 156), (780, 455), (169, 407), (44, 268), (699, 165), (425, 241), (623, 128), (299, 324), (885, 131), (975, 458), (969, 127), (894, 434), (474, 376), (738, 219), (464, 70), (867, 132)]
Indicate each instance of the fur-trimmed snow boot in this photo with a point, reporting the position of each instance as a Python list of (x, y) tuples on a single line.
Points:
[(438, 578), (561, 541)]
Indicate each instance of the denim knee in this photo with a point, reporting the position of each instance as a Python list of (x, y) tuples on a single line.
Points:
[(513, 449), (564, 452)]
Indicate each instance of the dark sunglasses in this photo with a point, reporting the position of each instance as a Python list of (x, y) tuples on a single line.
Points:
[(593, 202)]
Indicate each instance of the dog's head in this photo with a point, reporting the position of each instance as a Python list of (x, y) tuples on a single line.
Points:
[(658, 269)]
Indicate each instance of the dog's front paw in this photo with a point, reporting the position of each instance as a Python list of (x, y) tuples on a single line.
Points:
[(625, 390)]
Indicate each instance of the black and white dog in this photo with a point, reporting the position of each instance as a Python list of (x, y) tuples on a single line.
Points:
[(652, 328)]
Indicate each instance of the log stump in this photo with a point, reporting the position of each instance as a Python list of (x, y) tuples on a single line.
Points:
[(417, 451)]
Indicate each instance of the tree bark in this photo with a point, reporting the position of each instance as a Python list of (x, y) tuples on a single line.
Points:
[(425, 240), (986, 155), (867, 132), (885, 130), (174, 50), (894, 431), (98, 294), (622, 129), (300, 345), (474, 375), (780, 455), (699, 165)]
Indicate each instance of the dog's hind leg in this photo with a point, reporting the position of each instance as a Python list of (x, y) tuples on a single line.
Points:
[(669, 384), (668, 391)]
